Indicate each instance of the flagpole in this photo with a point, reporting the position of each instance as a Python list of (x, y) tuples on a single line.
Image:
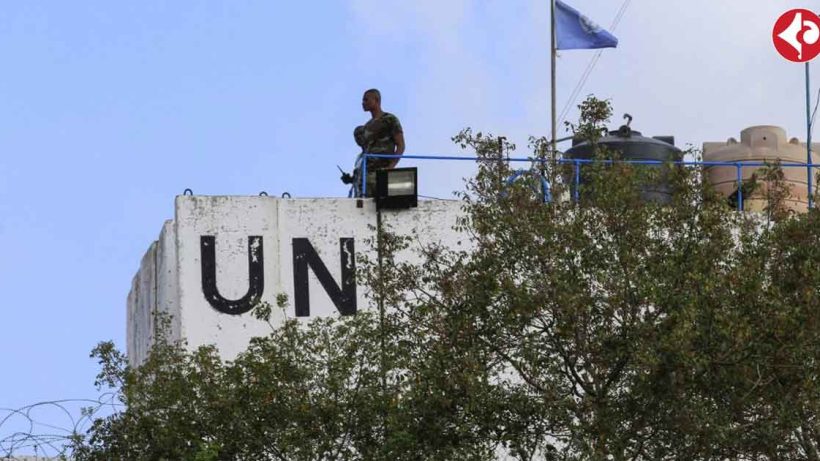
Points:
[(552, 70)]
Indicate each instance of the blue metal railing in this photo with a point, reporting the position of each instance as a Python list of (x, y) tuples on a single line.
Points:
[(577, 162)]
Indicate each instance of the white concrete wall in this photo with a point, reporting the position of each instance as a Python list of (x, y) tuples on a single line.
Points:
[(141, 304), (170, 278), (167, 278)]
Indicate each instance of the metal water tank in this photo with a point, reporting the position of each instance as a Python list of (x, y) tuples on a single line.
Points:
[(631, 145)]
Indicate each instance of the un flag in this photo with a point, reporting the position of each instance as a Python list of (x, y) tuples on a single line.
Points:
[(574, 31)]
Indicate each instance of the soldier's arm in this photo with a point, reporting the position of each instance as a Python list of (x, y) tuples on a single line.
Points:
[(398, 138)]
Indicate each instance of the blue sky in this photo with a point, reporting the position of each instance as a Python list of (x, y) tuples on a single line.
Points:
[(110, 109)]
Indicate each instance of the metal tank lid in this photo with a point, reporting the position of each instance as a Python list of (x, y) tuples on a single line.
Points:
[(626, 134)]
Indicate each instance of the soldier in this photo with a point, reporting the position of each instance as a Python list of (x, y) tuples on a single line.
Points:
[(382, 134)]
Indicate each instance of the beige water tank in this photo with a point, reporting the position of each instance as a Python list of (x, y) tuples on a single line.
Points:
[(760, 144)]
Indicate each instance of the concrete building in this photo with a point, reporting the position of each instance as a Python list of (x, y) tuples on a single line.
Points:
[(219, 254)]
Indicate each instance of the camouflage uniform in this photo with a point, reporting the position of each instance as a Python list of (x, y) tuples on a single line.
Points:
[(377, 136)]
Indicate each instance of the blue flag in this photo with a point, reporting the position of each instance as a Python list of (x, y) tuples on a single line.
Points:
[(574, 31)]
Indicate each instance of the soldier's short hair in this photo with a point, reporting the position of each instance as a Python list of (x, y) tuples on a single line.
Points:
[(375, 92)]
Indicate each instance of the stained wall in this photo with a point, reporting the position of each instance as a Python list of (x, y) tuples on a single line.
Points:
[(221, 253)]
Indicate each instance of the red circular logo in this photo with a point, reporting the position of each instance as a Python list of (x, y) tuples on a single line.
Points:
[(796, 35)]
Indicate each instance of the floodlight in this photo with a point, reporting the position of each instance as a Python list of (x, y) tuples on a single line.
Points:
[(397, 188)]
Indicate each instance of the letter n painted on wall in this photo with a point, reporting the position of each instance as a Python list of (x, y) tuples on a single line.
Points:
[(304, 257), (256, 276)]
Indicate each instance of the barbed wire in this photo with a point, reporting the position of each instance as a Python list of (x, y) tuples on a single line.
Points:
[(46, 429)]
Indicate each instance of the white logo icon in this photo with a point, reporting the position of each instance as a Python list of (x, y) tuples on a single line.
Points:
[(588, 25), (792, 34)]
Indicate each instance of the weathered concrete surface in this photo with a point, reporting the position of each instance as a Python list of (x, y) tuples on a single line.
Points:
[(172, 274), (154, 290), (141, 305)]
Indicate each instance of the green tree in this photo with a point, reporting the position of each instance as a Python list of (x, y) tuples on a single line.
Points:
[(611, 328)]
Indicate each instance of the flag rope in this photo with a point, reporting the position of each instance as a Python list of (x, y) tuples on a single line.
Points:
[(593, 61)]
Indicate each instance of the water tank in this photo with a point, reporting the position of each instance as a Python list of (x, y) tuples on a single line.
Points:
[(760, 144), (631, 145)]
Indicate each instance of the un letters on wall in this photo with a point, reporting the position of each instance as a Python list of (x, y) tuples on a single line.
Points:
[(305, 259)]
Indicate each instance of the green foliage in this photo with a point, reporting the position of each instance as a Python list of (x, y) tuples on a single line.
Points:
[(614, 328)]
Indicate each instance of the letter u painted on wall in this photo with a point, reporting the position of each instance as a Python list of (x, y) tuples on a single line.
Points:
[(305, 257), (256, 276)]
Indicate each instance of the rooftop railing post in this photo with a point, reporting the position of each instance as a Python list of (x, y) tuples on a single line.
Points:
[(739, 168), (577, 180), (363, 189), (546, 192)]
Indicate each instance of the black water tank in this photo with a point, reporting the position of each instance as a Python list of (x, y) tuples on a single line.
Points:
[(632, 146)]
